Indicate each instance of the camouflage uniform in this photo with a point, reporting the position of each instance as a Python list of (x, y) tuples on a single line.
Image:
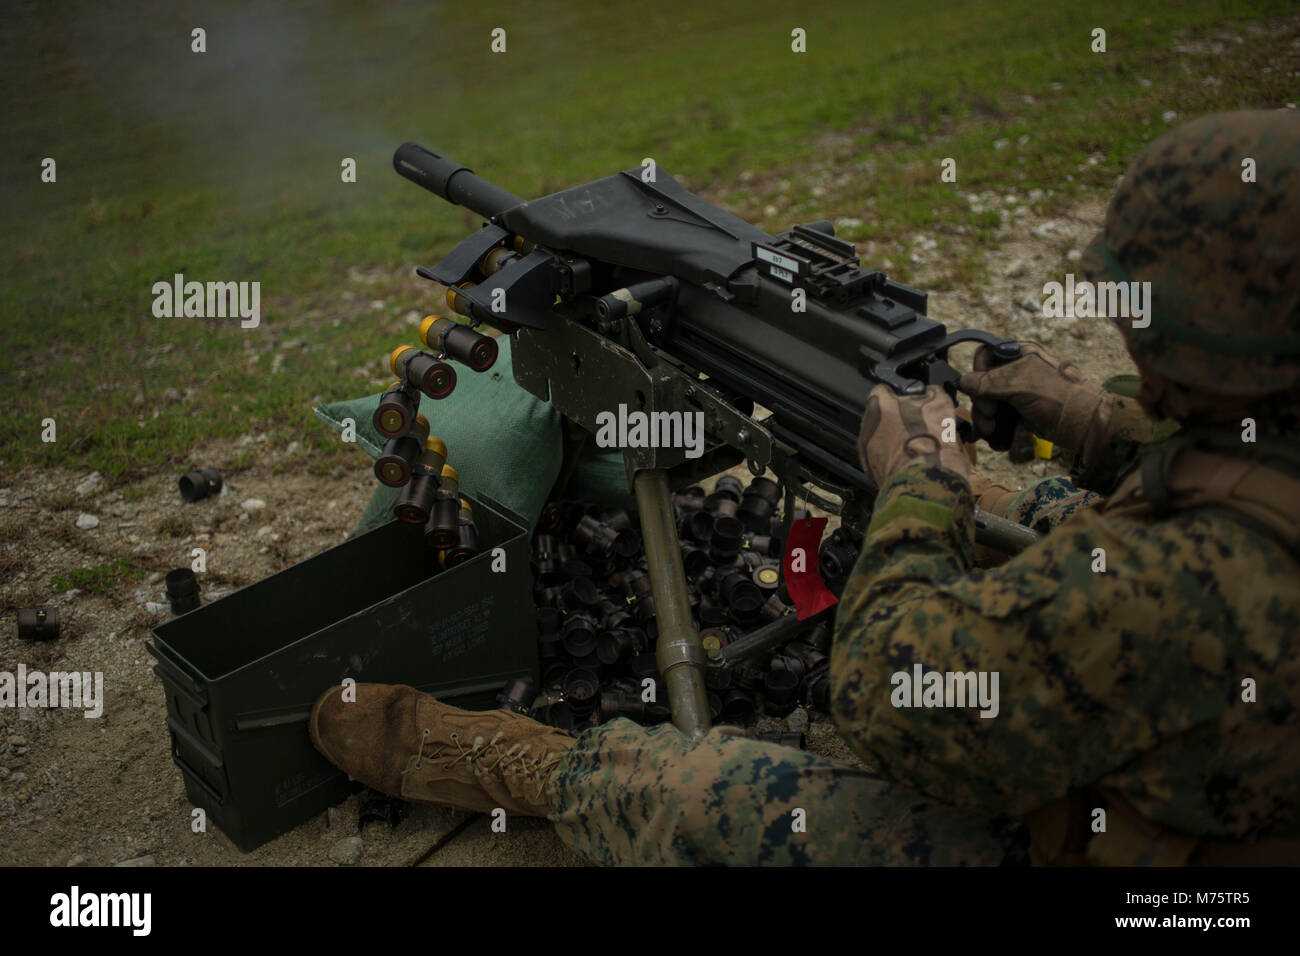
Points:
[(1120, 689)]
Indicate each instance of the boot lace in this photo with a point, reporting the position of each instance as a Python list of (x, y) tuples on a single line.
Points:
[(516, 761)]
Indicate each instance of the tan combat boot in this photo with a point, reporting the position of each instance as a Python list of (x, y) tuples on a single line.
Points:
[(406, 744)]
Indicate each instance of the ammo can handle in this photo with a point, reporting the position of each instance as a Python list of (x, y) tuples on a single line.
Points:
[(197, 778), (168, 668)]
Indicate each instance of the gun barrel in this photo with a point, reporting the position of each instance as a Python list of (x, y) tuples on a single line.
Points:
[(451, 181)]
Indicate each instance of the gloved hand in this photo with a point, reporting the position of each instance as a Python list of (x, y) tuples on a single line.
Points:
[(992, 496), (1053, 398), (898, 430)]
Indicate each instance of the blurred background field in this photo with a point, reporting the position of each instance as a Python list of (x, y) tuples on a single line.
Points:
[(226, 165)]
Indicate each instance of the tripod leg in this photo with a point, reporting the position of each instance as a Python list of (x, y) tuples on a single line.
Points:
[(679, 654)]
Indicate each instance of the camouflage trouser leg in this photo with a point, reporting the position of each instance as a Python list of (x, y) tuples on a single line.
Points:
[(626, 794)]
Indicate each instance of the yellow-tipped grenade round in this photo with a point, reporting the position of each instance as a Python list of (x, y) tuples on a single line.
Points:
[(394, 465), (428, 322), (431, 461), (416, 500), (467, 544), (438, 532), (424, 371), (396, 411), (522, 245), (459, 303), (442, 529), (397, 359), (496, 259), (449, 337), (450, 480)]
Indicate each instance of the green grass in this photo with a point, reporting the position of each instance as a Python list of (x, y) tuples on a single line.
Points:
[(100, 579), (225, 166)]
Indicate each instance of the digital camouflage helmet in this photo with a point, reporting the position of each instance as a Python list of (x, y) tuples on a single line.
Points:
[(1221, 249)]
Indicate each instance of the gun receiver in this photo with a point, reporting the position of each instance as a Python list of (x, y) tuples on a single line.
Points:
[(672, 279)]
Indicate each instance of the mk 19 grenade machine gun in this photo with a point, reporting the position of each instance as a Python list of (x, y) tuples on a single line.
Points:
[(631, 292)]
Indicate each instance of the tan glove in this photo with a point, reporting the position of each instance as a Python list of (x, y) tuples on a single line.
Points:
[(1053, 398), (992, 496), (898, 430)]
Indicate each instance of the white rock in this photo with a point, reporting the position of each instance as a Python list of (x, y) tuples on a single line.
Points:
[(263, 531), (85, 522), (1052, 229), (89, 483), (153, 607), (347, 852), (797, 722), (253, 504), (72, 594), (1169, 116)]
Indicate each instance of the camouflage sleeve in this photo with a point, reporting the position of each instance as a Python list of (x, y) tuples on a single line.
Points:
[(1023, 656), (1047, 502), (1128, 429)]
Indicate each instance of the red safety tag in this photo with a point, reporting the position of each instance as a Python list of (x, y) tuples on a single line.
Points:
[(806, 587)]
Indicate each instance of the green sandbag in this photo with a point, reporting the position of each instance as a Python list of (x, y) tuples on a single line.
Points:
[(502, 441)]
